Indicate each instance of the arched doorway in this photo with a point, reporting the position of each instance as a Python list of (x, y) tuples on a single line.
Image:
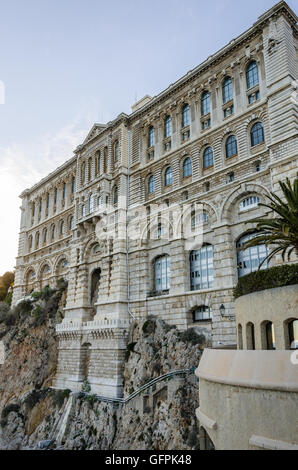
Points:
[(205, 441), (291, 334), (268, 336), (250, 336), (240, 337)]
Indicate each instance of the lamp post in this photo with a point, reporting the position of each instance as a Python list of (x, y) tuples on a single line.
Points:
[(224, 315)]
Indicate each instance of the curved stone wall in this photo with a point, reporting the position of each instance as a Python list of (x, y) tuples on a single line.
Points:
[(248, 399), (278, 306)]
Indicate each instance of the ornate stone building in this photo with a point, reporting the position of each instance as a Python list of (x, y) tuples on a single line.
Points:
[(118, 219)]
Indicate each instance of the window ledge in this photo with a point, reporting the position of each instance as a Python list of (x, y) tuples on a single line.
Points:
[(158, 294), (254, 88)]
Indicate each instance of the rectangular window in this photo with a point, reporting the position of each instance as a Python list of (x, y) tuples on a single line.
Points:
[(162, 274), (254, 97)]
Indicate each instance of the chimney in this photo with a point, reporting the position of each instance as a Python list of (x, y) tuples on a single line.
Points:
[(139, 104)]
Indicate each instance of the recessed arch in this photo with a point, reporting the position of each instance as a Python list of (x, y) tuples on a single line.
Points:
[(237, 193)]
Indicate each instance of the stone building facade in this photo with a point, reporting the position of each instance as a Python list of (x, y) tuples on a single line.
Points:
[(146, 217)]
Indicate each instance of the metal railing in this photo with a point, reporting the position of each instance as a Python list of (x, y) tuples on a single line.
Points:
[(162, 378)]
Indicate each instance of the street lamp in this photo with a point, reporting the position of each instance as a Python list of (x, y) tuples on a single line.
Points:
[(222, 310)]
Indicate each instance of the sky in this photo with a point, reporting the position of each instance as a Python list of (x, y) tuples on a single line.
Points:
[(65, 64)]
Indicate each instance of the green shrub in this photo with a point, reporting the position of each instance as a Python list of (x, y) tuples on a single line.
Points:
[(58, 397), (86, 387), (278, 276), (4, 311), (23, 308), (36, 295), (190, 336), (91, 399), (12, 407), (62, 284), (11, 319), (34, 397), (149, 327), (47, 293), (39, 316), (8, 298)]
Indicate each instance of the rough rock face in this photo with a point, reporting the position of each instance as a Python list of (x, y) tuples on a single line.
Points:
[(28, 334), (169, 423)]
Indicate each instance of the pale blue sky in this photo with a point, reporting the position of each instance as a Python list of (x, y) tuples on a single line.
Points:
[(68, 63)]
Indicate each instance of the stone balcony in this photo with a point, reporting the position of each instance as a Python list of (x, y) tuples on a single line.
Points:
[(104, 324)]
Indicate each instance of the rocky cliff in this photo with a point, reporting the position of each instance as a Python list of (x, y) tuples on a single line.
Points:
[(161, 418)]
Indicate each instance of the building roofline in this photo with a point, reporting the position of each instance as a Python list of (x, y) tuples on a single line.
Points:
[(49, 176), (280, 7)]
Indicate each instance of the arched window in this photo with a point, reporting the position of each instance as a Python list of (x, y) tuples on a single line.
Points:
[(185, 196), (99, 201), (202, 314), (205, 103), (62, 226), (227, 90), (98, 156), (151, 185), (231, 146), (187, 168), (208, 157), (151, 137), (105, 160), (240, 337), (250, 202), (250, 336), (71, 223), (91, 203), (201, 268), (115, 195), (95, 283), (252, 75), (162, 273), (257, 134), (73, 184), (83, 173), (268, 336), (53, 234), (198, 219), (116, 152), (83, 210), (30, 242), (168, 176), (250, 259), (45, 236), (89, 168), (37, 241), (185, 115), (168, 127), (292, 334), (62, 266)]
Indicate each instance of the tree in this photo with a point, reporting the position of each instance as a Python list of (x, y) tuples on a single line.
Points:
[(280, 231), (6, 281)]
